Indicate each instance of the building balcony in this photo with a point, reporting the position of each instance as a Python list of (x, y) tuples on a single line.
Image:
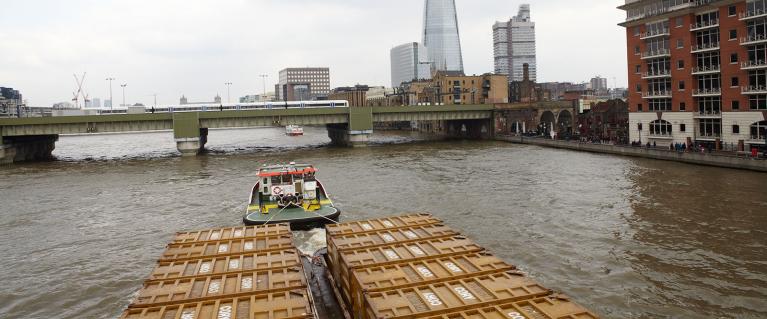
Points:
[(656, 74), (654, 34), (657, 95), (748, 15), (699, 70), (708, 114), (752, 39), (698, 48), (656, 54), (704, 25), (707, 92), (661, 135), (753, 90), (753, 65)]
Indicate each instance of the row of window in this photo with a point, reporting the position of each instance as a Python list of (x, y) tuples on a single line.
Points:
[(711, 17), (706, 105), (708, 127)]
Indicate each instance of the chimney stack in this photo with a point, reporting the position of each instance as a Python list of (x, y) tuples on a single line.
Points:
[(526, 72)]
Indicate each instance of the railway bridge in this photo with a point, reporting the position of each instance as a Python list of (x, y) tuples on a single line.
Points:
[(34, 138)]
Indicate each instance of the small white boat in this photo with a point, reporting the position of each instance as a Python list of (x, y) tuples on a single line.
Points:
[(294, 130)]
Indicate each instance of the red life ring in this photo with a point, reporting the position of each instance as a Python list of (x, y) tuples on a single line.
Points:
[(277, 190)]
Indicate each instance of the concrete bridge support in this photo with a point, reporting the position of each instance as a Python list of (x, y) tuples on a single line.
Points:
[(340, 135), (357, 132), (190, 137), (27, 148)]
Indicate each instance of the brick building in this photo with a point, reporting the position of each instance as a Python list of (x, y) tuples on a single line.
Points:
[(605, 121), (697, 71), (455, 88), (355, 95)]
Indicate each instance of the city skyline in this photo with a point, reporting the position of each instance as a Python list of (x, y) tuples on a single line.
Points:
[(161, 52)]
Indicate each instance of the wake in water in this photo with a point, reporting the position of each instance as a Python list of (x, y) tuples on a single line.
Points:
[(308, 242)]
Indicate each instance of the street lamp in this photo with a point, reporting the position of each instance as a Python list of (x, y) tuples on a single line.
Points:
[(263, 78), (228, 92), (123, 86), (111, 100)]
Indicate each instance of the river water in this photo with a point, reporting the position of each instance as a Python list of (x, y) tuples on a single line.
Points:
[(628, 238)]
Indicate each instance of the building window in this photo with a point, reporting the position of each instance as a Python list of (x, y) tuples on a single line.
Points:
[(679, 22), (639, 88), (682, 106), (735, 105), (679, 43), (732, 11), (659, 105), (660, 127), (682, 128), (734, 58), (637, 30), (639, 69), (680, 64), (639, 108), (736, 129), (636, 50), (639, 126), (757, 102), (681, 85), (733, 35), (734, 81), (759, 131)]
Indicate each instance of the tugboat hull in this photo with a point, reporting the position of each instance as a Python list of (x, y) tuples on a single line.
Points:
[(298, 220)]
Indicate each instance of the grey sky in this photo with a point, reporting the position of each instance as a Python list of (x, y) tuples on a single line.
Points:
[(192, 47)]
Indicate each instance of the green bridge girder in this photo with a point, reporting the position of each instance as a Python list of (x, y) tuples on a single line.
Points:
[(188, 124)]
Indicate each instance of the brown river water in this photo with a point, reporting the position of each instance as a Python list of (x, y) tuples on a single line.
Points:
[(627, 238)]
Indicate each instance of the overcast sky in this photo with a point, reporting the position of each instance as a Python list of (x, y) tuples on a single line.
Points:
[(192, 47)]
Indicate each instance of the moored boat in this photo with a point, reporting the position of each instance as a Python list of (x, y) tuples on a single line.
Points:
[(294, 130), (290, 194)]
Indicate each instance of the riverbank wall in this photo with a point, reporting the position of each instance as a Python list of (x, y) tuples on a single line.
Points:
[(744, 163)]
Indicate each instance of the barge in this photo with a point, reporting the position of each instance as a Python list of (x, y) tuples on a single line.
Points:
[(410, 266)]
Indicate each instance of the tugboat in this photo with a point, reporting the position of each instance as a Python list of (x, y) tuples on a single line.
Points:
[(290, 194), (294, 130)]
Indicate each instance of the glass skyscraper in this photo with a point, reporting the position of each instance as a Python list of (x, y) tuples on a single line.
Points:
[(409, 62), (440, 35)]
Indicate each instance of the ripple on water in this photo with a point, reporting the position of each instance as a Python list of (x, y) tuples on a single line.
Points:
[(627, 238)]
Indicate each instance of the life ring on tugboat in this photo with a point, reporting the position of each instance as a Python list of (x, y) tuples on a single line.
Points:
[(277, 190)]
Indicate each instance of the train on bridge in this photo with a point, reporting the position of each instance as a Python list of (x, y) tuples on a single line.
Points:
[(219, 107)]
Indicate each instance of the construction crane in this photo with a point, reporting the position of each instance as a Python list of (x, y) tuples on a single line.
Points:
[(80, 93)]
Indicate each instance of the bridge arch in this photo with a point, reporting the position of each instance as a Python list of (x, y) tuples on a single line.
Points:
[(547, 122)]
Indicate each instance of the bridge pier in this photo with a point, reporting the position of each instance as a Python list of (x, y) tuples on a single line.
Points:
[(190, 137), (16, 149), (192, 146), (340, 135)]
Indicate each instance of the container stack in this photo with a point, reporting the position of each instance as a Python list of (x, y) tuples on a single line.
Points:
[(414, 266), (235, 272)]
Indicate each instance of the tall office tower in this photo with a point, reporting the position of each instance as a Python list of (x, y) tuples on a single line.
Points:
[(409, 62), (599, 84), (697, 72), (440, 35), (298, 84), (514, 46)]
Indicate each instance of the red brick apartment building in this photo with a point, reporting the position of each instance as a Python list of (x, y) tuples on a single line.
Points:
[(697, 71)]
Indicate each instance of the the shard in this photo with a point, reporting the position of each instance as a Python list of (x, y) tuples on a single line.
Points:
[(440, 35)]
